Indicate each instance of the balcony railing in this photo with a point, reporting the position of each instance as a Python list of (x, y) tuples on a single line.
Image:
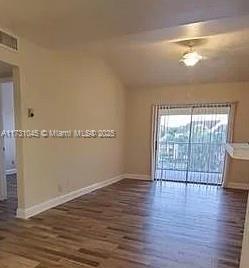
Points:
[(195, 161)]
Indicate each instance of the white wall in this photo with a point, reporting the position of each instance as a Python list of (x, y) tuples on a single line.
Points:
[(140, 101), (67, 90), (7, 105), (74, 91)]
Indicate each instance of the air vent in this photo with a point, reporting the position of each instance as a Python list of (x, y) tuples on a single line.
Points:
[(8, 40)]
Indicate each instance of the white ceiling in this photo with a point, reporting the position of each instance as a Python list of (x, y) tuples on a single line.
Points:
[(152, 58), (66, 22), (137, 37)]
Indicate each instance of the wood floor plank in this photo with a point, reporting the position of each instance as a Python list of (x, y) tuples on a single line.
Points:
[(130, 224), (14, 261)]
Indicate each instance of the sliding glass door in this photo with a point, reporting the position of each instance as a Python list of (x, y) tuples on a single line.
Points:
[(190, 144)]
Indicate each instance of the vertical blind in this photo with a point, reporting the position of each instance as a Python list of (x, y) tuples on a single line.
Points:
[(189, 142)]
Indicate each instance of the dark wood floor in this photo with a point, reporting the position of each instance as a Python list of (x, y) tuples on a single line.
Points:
[(9, 206), (132, 224)]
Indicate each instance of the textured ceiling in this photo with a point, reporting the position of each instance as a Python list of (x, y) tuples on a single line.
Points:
[(152, 58), (63, 23), (142, 39)]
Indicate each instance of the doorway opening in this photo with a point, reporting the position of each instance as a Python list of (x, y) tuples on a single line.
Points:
[(190, 143), (8, 170)]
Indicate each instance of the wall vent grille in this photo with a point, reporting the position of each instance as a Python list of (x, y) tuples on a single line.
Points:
[(8, 41)]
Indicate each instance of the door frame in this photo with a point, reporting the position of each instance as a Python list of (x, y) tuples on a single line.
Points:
[(18, 125), (3, 184), (3, 180)]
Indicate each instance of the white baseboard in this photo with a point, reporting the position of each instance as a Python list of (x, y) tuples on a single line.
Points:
[(10, 171), (34, 210), (137, 177), (241, 186)]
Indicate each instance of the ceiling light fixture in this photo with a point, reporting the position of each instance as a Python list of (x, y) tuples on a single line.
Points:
[(191, 57)]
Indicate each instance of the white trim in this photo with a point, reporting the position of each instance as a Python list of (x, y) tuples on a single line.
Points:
[(137, 177), (154, 138), (3, 184), (238, 150), (230, 131), (10, 171), (36, 209), (241, 186)]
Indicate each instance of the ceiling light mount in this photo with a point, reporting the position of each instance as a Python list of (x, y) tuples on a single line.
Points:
[(191, 57)]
